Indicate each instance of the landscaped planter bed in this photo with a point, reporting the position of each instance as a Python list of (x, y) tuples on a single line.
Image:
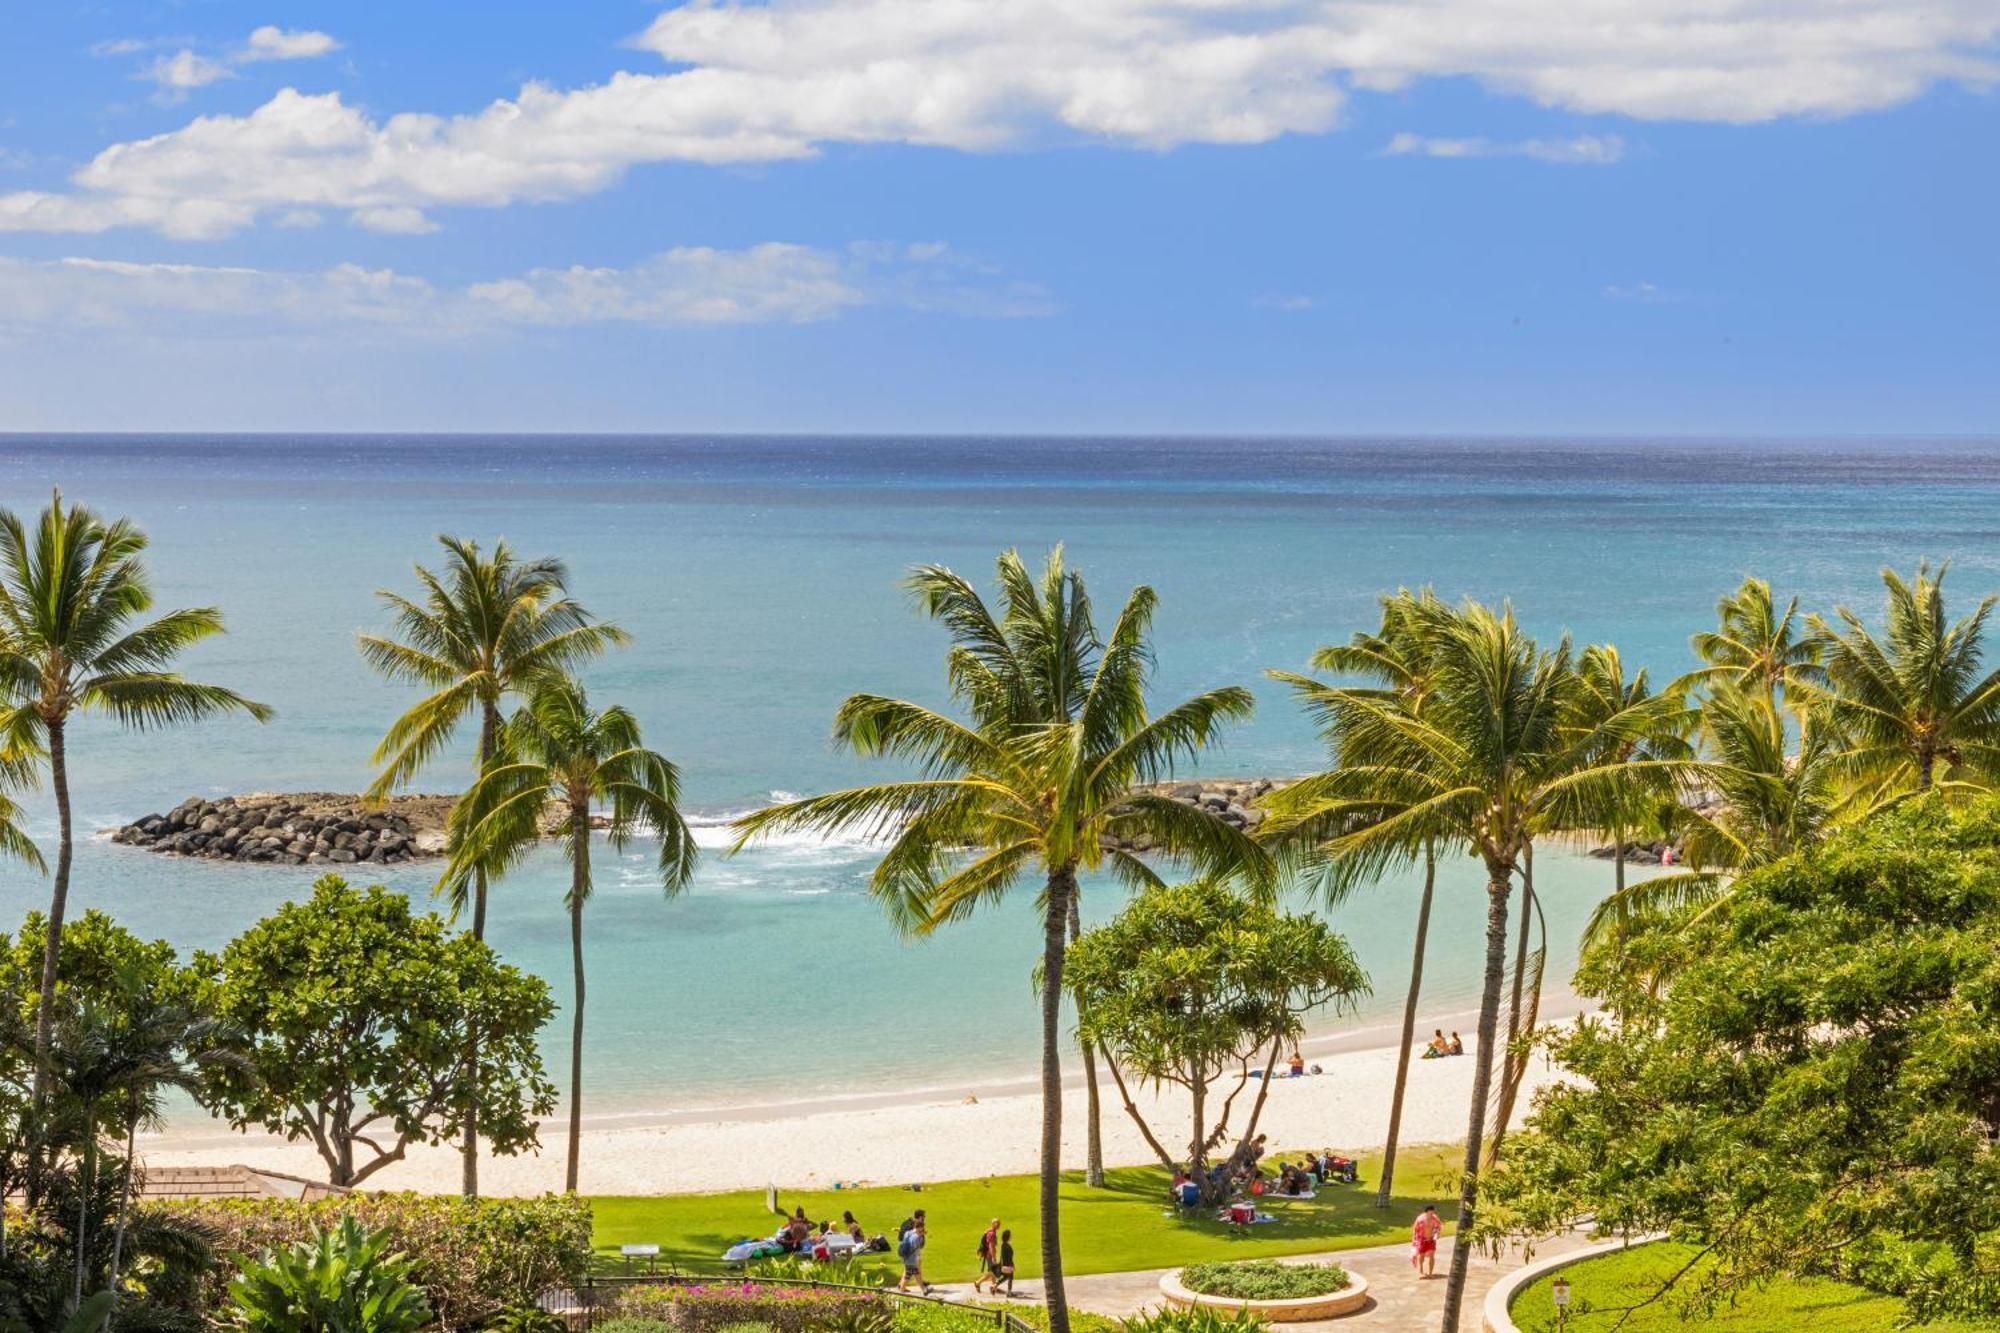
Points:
[(1350, 1298)]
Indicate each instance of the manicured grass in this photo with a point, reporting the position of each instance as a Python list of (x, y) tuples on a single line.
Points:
[(1126, 1225), (1601, 1289)]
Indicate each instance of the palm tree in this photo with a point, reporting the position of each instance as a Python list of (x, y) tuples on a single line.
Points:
[(556, 752), (1764, 801), (1489, 761), (1396, 659), (1914, 699), (1756, 646), (71, 594), (484, 627), (1042, 784)]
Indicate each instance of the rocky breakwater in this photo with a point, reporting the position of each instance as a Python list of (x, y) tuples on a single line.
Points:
[(1234, 799), (299, 828)]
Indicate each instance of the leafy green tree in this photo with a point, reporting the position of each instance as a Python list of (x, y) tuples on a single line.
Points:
[(483, 628), (1915, 699), (557, 753), (1395, 660), (1190, 983), (1491, 761), (1819, 1089), (344, 1281), (73, 590), (1044, 780), (348, 1013), (1755, 646)]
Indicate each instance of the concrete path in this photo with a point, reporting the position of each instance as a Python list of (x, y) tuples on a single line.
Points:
[(1398, 1300)]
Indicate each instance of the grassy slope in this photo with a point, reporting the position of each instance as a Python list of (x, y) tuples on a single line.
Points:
[(1610, 1283), (1123, 1226)]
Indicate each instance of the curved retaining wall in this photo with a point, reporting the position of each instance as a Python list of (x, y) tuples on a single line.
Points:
[(1298, 1310), (1495, 1317)]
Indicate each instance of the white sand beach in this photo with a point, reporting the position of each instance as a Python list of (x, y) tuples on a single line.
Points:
[(896, 1138)]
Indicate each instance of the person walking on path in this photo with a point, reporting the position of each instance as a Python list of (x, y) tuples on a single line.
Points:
[(1004, 1272), (911, 1250), (989, 1257), (1424, 1233)]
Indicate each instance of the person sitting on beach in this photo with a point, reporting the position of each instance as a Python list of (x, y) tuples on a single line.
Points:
[(1437, 1046), (1298, 1065), (1457, 1046)]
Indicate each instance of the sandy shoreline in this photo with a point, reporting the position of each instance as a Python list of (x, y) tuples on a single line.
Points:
[(895, 1137)]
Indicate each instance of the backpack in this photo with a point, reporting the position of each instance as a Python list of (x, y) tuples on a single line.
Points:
[(907, 1246)]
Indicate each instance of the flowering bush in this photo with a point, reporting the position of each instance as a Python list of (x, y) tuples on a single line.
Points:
[(473, 1258), (711, 1307)]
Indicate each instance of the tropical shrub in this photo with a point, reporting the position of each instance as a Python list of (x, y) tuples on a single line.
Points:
[(473, 1258), (1816, 1088), (1264, 1280), (711, 1307), (525, 1319), (1198, 1319), (345, 1280)]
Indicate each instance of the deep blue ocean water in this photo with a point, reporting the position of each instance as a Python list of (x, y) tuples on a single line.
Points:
[(759, 579)]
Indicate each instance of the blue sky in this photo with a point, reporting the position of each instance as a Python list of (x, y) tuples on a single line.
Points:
[(1318, 216)]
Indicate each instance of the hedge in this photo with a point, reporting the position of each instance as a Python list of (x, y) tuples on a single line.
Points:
[(713, 1306), (474, 1257)]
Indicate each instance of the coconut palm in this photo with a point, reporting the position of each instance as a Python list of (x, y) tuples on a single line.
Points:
[(481, 629), (73, 590), (1914, 699), (1489, 761), (1042, 783), (555, 752), (1762, 800), (1395, 659), (1756, 646)]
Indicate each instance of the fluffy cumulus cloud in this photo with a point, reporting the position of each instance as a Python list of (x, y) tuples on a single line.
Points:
[(759, 82), (180, 73), (1593, 150), (271, 42), (688, 286)]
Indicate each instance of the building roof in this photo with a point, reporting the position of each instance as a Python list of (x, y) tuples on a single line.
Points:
[(231, 1182)]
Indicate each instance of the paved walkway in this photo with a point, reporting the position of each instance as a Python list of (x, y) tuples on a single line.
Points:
[(1398, 1300)]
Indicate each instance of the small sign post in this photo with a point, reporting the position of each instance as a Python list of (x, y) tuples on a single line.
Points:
[(1559, 1289)]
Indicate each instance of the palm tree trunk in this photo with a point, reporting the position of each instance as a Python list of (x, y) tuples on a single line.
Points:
[(58, 904), (1062, 887), (86, 1187), (1497, 887), (579, 883), (124, 1202), (1925, 762), (1516, 1065), (1409, 1030), (489, 732), (1093, 1152)]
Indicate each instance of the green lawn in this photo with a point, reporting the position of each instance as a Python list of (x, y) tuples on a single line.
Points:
[(1126, 1225), (1601, 1289)]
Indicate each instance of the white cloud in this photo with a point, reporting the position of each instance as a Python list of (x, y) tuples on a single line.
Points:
[(760, 82), (687, 286), (395, 220), (271, 42), (183, 71), (1595, 150)]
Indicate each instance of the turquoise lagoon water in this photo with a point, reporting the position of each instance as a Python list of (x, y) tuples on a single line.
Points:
[(758, 578)]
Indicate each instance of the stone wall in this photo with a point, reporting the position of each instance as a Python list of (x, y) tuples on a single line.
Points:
[(299, 828)]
